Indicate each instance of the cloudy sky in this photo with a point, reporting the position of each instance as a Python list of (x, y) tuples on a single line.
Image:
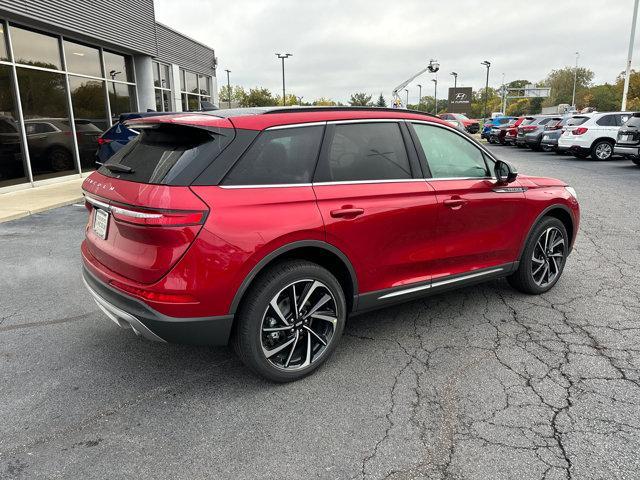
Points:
[(344, 46)]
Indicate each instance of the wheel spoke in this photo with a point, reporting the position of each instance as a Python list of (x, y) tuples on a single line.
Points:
[(308, 359), (326, 318), (537, 260), (276, 308), (325, 298), (555, 266), (276, 329), (546, 240), (556, 255), (560, 241), (293, 301), (271, 353), (307, 293), (320, 339), (538, 269), (295, 343)]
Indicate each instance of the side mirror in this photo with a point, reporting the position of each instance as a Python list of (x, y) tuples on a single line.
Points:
[(505, 172)]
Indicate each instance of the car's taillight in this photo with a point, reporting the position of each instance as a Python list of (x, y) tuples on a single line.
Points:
[(152, 296), (151, 217), (529, 128), (104, 141), (580, 130)]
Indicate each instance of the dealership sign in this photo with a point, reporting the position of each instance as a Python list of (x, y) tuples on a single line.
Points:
[(459, 100)]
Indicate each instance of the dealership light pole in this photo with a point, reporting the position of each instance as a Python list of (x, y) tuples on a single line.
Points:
[(282, 56), (455, 84), (435, 94), (407, 92), (504, 96), (575, 78), (419, 96), (625, 91), (228, 89), (487, 64)]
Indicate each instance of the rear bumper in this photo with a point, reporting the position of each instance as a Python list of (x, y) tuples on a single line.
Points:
[(619, 150), (128, 312)]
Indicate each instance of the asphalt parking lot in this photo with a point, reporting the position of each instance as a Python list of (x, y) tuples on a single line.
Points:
[(481, 383)]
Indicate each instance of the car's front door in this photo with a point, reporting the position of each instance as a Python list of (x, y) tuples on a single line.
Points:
[(480, 223), (376, 205)]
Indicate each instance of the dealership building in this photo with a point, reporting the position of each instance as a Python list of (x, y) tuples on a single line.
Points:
[(69, 68)]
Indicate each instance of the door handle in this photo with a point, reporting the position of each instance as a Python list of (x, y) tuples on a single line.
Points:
[(455, 203), (349, 212)]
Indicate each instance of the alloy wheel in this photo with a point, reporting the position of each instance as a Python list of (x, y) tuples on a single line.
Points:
[(298, 325), (604, 150), (548, 257)]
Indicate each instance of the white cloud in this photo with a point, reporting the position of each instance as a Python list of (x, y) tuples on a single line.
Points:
[(340, 47)]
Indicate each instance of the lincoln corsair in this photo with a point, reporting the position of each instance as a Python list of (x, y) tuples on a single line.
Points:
[(267, 228)]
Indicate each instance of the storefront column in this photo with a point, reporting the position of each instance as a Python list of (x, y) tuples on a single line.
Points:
[(144, 79)]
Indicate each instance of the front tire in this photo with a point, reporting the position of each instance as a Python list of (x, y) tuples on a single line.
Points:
[(543, 258), (291, 320)]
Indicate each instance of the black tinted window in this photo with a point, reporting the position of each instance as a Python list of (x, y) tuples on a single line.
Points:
[(278, 157), (366, 151), (170, 155), (544, 121), (607, 121)]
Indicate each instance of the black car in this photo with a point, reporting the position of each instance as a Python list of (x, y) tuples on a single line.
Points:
[(628, 141)]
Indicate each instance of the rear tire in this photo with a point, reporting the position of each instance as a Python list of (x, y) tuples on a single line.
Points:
[(602, 150), (636, 161), (543, 259), (278, 334)]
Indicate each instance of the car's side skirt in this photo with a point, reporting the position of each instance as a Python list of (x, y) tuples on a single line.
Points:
[(390, 296)]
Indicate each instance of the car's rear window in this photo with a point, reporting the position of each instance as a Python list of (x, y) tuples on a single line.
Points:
[(633, 122), (574, 121), (167, 155), (527, 121)]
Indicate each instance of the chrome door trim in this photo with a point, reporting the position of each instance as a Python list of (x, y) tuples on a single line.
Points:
[(296, 125)]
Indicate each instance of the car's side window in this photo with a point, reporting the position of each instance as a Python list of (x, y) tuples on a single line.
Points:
[(450, 155), (365, 151), (607, 121), (281, 156)]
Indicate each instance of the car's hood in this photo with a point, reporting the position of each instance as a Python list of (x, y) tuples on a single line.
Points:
[(534, 182)]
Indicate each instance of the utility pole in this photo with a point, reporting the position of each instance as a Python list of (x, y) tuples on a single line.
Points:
[(228, 89), (435, 94), (575, 76), (487, 64), (300, 100), (455, 85), (625, 91), (282, 56)]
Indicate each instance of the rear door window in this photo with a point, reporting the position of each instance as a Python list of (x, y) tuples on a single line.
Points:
[(279, 157), (450, 155), (365, 151)]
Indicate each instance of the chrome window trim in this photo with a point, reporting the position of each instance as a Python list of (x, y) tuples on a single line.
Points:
[(439, 283), (296, 125), (267, 185), (365, 120), (321, 184), (435, 179)]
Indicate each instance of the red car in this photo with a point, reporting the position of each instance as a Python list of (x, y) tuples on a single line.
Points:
[(511, 131), (471, 126), (270, 227)]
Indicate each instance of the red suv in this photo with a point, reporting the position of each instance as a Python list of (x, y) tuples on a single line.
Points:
[(269, 227)]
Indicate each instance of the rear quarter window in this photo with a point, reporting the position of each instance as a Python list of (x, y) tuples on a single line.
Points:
[(607, 121), (279, 156), (575, 121)]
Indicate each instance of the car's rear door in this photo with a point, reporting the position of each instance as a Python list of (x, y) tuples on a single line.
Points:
[(479, 222), (376, 205)]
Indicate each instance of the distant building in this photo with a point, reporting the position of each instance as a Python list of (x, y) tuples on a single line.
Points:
[(69, 68)]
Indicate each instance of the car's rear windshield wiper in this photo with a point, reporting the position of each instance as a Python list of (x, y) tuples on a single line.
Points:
[(117, 167)]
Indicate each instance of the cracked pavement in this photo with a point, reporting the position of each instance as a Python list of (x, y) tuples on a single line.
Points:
[(479, 383)]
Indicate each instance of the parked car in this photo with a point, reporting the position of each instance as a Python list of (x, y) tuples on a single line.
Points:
[(593, 134), (471, 126), (457, 124), (494, 122), (531, 124), (535, 131), (628, 141), (119, 134), (511, 130), (552, 132), (498, 134), (238, 226)]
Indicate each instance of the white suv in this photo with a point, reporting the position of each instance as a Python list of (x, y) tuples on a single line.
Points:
[(592, 134)]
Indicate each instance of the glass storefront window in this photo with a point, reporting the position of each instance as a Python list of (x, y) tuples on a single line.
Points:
[(4, 51), (12, 161), (192, 82), (121, 99), (90, 115), (117, 67), (46, 122), (203, 83), (82, 59), (31, 48)]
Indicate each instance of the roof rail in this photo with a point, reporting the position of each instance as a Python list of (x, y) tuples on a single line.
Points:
[(295, 109)]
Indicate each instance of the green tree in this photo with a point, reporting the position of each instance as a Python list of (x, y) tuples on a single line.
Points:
[(633, 96), (603, 98), (561, 83), (258, 97), (324, 102), (381, 101), (360, 100)]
